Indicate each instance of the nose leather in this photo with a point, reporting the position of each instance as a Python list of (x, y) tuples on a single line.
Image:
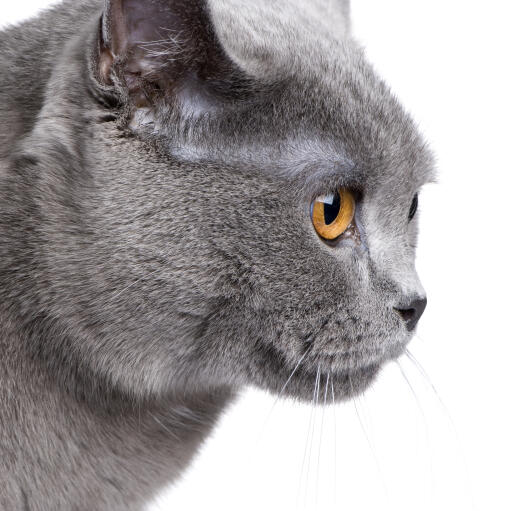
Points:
[(412, 312)]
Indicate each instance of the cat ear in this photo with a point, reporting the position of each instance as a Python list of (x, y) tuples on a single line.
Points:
[(161, 48)]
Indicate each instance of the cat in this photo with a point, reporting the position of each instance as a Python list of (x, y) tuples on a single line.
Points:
[(195, 196)]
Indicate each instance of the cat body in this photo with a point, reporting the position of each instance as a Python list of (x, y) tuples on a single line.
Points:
[(157, 164)]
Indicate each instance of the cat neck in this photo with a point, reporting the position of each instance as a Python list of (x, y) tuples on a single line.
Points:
[(110, 453)]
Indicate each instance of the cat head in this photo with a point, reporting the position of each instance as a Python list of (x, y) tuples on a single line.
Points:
[(250, 189)]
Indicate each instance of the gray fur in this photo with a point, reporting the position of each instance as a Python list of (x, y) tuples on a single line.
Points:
[(154, 259)]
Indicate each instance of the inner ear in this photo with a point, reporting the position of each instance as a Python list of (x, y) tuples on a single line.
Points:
[(163, 48)]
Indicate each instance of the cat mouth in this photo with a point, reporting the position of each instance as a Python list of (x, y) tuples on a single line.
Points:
[(352, 360)]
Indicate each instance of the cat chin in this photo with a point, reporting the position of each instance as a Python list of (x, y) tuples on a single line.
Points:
[(327, 387), (320, 376), (337, 377)]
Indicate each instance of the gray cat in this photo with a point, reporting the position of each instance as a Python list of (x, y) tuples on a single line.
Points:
[(195, 196)]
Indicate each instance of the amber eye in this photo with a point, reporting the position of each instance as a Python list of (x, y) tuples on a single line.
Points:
[(332, 214)]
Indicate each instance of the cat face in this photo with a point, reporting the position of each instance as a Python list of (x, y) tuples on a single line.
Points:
[(234, 125)]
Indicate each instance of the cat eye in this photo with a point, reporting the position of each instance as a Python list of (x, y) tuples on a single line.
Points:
[(413, 207), (332, 214)]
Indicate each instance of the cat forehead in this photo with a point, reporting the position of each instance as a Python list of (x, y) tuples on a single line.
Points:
[(316, 163), (302, 129)]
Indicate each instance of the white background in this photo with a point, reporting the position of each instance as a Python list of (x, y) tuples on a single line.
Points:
[(405, 446)]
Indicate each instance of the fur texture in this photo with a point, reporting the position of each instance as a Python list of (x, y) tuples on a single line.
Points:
[(157, 166)]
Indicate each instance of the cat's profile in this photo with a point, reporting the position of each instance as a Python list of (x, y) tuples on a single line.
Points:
[(195, 195)]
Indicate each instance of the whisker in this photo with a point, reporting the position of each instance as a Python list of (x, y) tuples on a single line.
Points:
[(412, 390), (294, 371), (321, 435), (310, 436), (311, 447), (419, 336), (424, 420), (279, 395), (335, 444), (443, 406), (368, 440), (428, 380), (426, 377)]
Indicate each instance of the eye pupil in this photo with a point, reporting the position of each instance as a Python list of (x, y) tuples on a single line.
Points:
[(332, 210), (413, 207)]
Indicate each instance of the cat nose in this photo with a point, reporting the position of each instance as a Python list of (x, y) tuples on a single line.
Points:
[(412, 312)]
